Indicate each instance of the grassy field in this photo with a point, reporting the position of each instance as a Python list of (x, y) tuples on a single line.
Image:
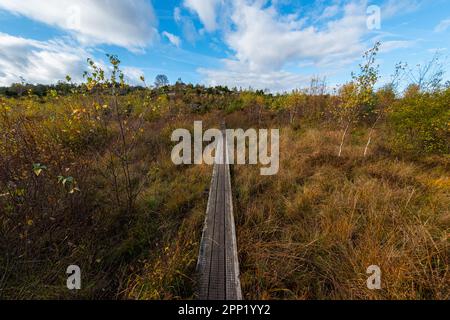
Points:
[(86, 178), (313, 230)]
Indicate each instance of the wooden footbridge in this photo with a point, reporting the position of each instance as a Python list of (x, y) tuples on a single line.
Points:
[(218, 266)]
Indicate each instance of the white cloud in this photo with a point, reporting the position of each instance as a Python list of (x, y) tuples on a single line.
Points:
[(175, 40), (46, 62), (177, 14), (395, 7), (133, 75), (39, 61), (187, 26), (206, 11), (437, 50), (388, 46), (443, 26), (126, 23), (275, 81), (265, 42), (330, 12)]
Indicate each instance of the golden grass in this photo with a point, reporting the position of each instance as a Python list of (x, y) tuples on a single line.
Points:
[(311, 231)]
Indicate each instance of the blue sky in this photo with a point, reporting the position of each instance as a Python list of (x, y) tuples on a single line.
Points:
[(277, 45)]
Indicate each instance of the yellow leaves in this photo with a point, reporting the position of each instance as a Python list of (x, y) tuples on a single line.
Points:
[(442, 183), (69, 183), (38, 168), (6, 108), (53, 93), (78, 114), (74, 190), (30, 222), (98, 107), (260, 101), (90, 85)]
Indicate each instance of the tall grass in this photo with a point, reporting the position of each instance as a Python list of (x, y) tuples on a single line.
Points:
[(313, 230), (86, 179)]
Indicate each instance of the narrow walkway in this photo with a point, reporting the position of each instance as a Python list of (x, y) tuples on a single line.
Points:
[(218, 266)]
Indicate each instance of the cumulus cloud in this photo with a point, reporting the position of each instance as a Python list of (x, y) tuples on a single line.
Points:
[(46, 62), (206, 11), (175, 40), (275, 81), (265, 42), (133, 75), (126, 23), (39, 61)]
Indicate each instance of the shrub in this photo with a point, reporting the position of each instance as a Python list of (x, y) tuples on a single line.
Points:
[(420, 123)]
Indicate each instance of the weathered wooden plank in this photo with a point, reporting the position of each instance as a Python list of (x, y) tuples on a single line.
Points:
[(204, 261), (218, 266), (217, 274), (233, 285)]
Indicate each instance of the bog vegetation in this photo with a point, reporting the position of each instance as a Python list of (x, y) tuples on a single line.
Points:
[(86, 179)]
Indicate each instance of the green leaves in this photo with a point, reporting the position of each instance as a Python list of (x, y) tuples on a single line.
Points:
[(65, 180), (420, 123), (38, 168), (53, 93), (358, 98), (113, 59), (68, 183)]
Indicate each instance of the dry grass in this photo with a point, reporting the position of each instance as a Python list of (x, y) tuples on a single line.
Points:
[(45, 228), (311, 231), (177, 201)]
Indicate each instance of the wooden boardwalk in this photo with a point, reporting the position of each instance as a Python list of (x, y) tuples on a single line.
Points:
[(218, 266)]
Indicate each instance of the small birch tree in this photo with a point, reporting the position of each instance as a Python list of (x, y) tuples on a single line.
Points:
[(357, 98)]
